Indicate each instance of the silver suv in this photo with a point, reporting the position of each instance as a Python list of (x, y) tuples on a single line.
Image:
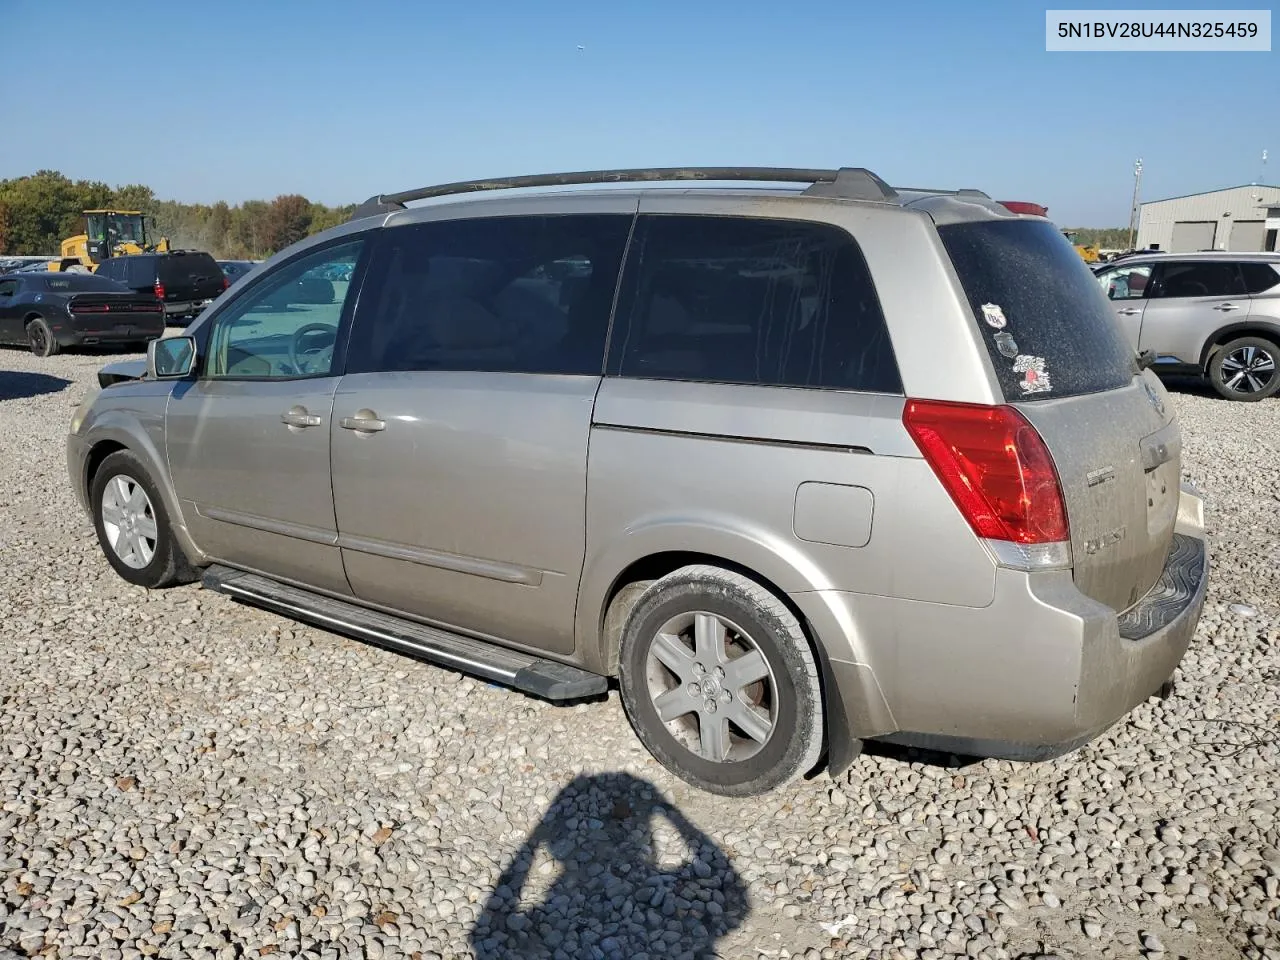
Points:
[(799, 465), (1207, 314)]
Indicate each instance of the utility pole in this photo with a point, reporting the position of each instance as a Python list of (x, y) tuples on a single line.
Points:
[(1133, 207)]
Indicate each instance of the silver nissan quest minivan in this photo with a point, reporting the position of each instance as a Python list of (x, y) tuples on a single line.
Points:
[(801, 459)]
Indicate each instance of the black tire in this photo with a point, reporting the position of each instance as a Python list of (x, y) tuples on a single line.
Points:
[(167, 565), (40, 338), (792, 696), (1248, 361)]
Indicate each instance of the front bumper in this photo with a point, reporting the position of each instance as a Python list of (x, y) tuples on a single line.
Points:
[(77, 453), (1039, 672)]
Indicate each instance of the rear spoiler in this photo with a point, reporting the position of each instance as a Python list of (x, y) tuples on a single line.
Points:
[(1024, 207)]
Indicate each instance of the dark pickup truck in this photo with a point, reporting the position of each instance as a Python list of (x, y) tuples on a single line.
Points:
[(48, 311), (184, 280)]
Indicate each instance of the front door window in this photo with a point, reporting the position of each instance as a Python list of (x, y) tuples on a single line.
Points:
[(286, 326)]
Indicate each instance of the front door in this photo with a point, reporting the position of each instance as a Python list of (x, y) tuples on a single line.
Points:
[(248, 441), (460, 430), (1127, 287)]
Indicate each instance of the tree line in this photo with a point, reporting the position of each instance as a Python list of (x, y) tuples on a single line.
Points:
[(39, 211), (1104, 238)]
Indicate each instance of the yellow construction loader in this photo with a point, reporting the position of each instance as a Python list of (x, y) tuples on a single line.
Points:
[(108, 233), (1088, 251)]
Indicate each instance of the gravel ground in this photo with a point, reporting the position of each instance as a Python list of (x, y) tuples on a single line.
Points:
[(181, 776)]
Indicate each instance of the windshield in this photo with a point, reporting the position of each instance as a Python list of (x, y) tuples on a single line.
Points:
[(96, 227), (1047, 325), (126, 228)]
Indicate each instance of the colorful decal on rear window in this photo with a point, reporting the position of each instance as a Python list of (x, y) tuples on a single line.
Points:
[(994, 315), (1035, 378), (1005, 343)]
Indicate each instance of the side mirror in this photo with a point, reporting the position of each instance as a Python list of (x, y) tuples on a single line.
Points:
[(171, 358)]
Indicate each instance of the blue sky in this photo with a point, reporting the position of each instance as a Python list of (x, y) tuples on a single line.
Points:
[(340, 100)]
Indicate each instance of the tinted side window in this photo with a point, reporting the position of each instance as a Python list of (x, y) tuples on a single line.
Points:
[(1259, 276), (1206, 278), (746, 300), (510, 294)]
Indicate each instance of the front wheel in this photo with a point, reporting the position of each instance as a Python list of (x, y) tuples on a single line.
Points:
[(40, 338), (133, 527), (720, 683), (1246, 369)]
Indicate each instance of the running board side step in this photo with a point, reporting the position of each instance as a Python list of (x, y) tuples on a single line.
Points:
[(542, 678)]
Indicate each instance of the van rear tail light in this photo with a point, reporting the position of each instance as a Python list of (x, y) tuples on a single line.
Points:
[(1000, 474), (159, 290)]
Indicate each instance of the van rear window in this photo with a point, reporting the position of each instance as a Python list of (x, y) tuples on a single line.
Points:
[(1047, 324)]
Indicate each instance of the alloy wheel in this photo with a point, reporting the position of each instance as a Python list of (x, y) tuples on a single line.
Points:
[(129, 521), (1248, 369), (712, 687)]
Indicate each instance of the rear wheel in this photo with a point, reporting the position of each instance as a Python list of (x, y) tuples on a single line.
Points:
[(1246, 369), (720, 683), (40, 338), (133, 527)]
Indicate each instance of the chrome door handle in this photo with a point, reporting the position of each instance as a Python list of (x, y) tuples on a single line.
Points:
[(365, 421), (298, 417), (1226, 306), (1129, 311)]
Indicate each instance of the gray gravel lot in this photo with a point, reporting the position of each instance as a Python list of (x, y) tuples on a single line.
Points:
[(181, 776)]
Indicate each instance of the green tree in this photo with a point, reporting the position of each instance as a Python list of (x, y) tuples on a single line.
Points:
[(38, 211), (288, 220), (47, 207), (135, 197)]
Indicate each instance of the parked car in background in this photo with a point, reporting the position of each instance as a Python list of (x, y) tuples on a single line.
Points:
[(233, 270), (1209, 314), (801, 467), (185, 280), (49, 311)]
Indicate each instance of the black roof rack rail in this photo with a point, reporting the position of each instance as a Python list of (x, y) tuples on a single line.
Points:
[(852, 183)]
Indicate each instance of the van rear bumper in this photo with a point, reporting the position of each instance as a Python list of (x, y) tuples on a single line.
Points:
[(1040, 672)]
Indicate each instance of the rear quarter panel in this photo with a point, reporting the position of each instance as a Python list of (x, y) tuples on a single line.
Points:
[(716, 469)]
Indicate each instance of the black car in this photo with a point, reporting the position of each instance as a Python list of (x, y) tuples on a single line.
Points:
[(235, 269), (49, 311), (186, 280)]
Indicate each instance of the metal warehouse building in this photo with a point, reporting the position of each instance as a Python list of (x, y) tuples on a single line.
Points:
[(1237, 218)]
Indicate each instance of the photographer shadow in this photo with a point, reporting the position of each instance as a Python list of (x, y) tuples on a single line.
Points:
[(614, 881)]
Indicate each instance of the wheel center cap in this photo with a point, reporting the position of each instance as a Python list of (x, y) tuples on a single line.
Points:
[(710, 688)]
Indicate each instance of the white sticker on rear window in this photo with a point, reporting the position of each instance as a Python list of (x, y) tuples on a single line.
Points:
[(1035, 378), (994, 315)]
